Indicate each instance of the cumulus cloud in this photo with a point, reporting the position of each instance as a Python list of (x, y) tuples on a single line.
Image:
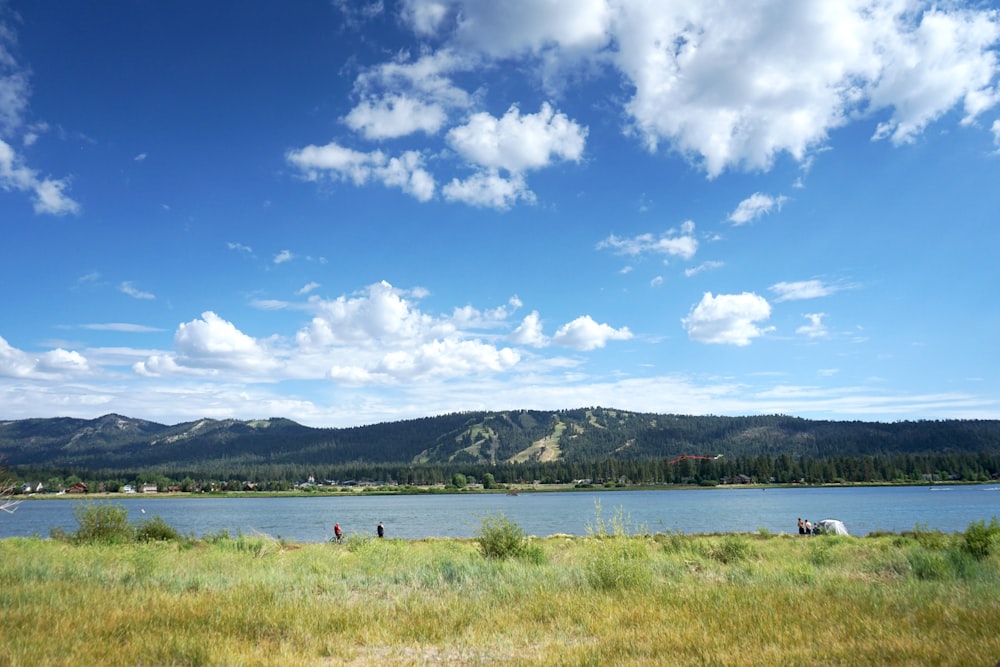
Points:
[(529, 332), (54, 364), (585, 334), (674, 243), (518, 143), (802, 289), (208, 344), (755, 206), (379, 335), (733, 87), (405, 171), (730, 319), (488, 189), (395, 116)]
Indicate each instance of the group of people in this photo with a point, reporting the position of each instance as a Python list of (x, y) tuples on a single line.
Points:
[(805, 527), (338, 533)]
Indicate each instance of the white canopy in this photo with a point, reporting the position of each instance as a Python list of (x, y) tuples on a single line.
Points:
[(831, 527)]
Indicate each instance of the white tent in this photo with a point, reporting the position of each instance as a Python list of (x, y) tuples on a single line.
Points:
[(831, 527)]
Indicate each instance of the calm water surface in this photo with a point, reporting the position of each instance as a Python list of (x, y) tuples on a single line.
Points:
[(311, 519)]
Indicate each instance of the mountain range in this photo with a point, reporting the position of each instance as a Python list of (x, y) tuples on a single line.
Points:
[(116, 442)]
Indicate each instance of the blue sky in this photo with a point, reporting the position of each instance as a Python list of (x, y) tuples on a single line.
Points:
[(345, 212)]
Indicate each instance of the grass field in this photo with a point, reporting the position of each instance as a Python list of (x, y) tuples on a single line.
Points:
[(615, 597)]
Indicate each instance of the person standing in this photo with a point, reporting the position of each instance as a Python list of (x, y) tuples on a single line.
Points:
[(337, 533), (809, 527), (802, 526), (380, 530)]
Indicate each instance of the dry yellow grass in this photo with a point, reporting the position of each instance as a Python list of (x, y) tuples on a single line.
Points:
[(602, 600)]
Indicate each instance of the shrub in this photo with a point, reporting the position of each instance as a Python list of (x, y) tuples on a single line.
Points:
[(979, 538), (102, 522), (500, 538), (156, 530)]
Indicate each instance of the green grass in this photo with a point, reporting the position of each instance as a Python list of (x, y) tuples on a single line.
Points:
[(619, 596)]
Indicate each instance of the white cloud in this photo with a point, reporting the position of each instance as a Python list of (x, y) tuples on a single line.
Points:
[(425, 79), (803, 289), (585, 334), (131, 290), (995, 130), (488, 189), (729, 319), (424, 16), (939, 60), (395, 116), (48, 192), (283, 256), (735, 86), (754, 207), (121, 327), (307, 288), (704, 266), (815, 328), (529, 332), (447, 358), (521, 27), (141, 157), (14, 85), (344, 164), (518, 143), (681, 244), (212, 342), (63, 362), (54, 364), (15, 90)]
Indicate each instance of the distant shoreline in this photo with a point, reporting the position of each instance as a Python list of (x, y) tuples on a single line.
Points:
[(351, 492)]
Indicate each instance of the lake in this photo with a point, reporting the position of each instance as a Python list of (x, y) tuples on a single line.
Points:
[(717, 510)]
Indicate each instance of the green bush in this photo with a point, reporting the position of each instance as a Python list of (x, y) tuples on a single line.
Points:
[(500, 538), (102, 522), (156, 530), (105, 523), (980, 538)]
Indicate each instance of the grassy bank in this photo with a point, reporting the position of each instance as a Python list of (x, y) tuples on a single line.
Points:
[(611, 598)]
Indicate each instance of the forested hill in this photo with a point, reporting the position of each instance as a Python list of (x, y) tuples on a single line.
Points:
[(475, 438)]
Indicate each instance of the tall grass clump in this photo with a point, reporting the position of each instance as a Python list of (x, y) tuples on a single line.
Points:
[(617, 558), (733, 548)]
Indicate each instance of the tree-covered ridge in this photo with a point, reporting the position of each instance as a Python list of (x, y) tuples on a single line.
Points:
[(486, 438)]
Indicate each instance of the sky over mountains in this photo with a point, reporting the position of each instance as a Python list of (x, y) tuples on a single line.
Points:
[(351, 212)]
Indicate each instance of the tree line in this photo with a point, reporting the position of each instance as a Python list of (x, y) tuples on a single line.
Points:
[(759, 469)]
